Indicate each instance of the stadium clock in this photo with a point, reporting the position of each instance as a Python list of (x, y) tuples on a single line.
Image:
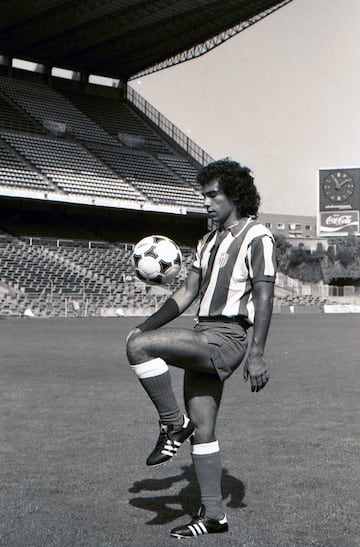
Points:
[(338, 186)]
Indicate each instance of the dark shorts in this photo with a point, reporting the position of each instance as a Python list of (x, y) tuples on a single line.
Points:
[(227, 344)]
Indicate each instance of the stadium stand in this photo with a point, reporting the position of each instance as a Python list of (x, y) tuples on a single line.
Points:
[(301, 303), (90, 145), (107, 149), (70, 167), (150, 176), (48, 276)]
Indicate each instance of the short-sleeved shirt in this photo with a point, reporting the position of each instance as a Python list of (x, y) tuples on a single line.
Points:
[(245, 255)]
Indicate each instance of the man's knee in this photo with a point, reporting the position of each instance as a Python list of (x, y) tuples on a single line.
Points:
[(204, 430), (135, 348), (203, 436), (203, 413)]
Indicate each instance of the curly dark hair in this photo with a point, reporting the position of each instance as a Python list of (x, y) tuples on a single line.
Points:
[(236, 182)]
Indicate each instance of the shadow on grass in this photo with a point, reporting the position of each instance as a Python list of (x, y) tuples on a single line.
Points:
[(186, 501)]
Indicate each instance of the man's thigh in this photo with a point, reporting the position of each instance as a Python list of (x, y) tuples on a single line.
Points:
[(183, 348)]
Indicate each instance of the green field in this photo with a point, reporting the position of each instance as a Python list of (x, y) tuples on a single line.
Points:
[(76, 429)]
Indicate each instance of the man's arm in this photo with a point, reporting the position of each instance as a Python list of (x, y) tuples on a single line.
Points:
[(188, 291), (255, 368), (178, 302)]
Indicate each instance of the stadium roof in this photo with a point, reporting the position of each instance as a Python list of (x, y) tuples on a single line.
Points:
[(122, 38)]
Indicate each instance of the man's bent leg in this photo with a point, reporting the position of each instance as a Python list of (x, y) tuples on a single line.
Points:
[(145, 352), (149, 353)]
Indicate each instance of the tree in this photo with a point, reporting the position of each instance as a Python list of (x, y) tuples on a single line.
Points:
[(282, 250), (305, 265), (341, 265), (347, 251), (330, 253)]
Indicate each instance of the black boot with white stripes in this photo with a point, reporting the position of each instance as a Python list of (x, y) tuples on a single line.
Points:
[(201, 525), (169, 441)]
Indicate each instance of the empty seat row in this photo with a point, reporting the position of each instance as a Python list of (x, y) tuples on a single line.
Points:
[(44, 103), (70, 167), (118, 118), (14, 172), (151, 177)]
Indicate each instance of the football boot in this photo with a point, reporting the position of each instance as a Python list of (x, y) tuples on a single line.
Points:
[(169, 441), (201, 525)]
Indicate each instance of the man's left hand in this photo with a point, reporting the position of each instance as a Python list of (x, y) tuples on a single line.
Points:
[(255, 369)]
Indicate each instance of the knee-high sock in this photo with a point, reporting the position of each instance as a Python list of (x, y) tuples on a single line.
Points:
[(208, 469), (154, 376)]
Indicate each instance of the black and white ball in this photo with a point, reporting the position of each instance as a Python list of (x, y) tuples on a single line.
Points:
[(157, 260)]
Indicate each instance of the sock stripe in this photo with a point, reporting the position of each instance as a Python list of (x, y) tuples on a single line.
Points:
[(206, 448), (150, 369)]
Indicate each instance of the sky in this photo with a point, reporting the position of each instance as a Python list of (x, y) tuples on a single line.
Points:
[(282, 97)]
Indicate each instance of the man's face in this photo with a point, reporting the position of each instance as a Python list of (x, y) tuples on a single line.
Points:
[(218, 205)]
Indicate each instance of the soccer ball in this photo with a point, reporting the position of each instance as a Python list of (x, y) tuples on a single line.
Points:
[(157, 260)]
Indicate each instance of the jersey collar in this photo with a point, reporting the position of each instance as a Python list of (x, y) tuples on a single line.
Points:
[(237, 228)]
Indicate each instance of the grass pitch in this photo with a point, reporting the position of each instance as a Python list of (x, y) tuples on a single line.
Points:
[(76, 428)]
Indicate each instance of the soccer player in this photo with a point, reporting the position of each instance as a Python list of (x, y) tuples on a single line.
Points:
[(233, 276)]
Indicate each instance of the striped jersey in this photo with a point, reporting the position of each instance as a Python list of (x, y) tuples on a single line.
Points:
[(229, 263)]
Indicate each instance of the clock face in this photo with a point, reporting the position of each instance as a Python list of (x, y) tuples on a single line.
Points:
[(338, 186)]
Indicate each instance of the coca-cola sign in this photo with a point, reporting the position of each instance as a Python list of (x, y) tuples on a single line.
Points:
[(331, 223), (338, 220)]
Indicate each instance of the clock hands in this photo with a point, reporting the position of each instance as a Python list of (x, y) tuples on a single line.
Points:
[(340, 184)]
